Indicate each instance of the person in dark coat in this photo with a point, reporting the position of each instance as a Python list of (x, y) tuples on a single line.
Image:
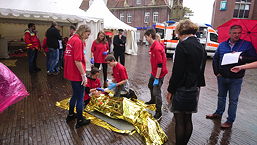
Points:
[(53, 36), (119, 42), (187, 74)]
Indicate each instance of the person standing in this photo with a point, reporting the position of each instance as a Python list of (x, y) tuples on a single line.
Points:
[(159, 70), (119, 42), (53, 36), (33, 45), (186, 80), (75, 72), (229, 81), (100, 49)]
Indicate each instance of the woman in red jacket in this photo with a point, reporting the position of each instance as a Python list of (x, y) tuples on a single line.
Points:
[(93, 82), (100, 49), (75, 72)]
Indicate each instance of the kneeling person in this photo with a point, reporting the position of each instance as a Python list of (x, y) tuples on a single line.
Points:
[(120, 76), (93, 82)]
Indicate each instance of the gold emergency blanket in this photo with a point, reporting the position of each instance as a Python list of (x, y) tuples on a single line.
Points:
[(133, 111)]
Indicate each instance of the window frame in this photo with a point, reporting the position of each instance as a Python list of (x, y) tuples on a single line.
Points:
[(147, 17), (155, 17), (129, 17), (122, 17)]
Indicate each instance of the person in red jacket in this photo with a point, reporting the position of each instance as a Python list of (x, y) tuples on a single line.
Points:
[(100, 49), (44, 46), (75, 72), (33, 45), (120, 77), (159, 70), (93, 82)]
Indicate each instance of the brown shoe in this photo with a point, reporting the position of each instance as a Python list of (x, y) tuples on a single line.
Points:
[(213, 116), (226, 125)]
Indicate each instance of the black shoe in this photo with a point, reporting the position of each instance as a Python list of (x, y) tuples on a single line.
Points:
[(149, 102), (82, 122), (158, 116), (37, 69), (71, 117)]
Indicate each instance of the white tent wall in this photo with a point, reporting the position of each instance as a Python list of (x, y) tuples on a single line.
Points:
[(95, 28), (15, 15), (98, 9)]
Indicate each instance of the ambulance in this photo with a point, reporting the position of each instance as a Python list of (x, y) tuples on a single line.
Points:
[(206, 35)]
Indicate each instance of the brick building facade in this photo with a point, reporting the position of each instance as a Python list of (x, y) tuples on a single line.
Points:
[(141, 14), (224, 10)]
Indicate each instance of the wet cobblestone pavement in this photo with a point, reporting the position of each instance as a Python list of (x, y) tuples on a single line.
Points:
[(36, 119)]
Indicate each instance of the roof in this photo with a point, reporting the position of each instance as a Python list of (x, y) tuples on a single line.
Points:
[(58, 10), (98, 9)]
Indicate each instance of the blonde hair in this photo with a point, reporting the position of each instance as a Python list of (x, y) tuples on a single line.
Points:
[(82, 28), (185, 27)]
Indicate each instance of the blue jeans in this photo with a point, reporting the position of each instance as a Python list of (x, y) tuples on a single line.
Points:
[(233, 87), (77, 98), (60, 62), (32, 55), (47, 61), (53, 59)]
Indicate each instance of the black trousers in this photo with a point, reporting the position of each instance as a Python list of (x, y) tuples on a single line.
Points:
[(118, 55), (156, 96), (104, 65)]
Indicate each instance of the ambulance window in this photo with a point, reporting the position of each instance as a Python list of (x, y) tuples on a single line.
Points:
[(160, 32), (213, 37), (174, 36)]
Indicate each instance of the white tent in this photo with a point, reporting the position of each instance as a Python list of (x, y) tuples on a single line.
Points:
[(98, 9), (51, 10)]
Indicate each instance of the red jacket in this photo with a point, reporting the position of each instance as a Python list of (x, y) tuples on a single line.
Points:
[(158, 56), (91, 84), (119, 73), (44, 45), (98, 49), (31, 40), (74, 52)]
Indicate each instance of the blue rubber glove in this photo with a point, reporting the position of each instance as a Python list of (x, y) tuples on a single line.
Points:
[(155, 82), (92, 61), (105, 53), (112, 85), (100, 89)]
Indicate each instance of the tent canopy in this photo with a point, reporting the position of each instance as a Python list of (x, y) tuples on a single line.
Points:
[(98, 9), (58, 10)]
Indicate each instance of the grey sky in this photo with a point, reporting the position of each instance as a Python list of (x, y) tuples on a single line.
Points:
[(202, 10)]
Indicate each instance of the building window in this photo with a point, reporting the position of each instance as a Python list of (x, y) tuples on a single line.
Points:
[(122, 17), (155, 17), (242, 9), (129, 18), (138, 2), (147, 16), (223, 5)]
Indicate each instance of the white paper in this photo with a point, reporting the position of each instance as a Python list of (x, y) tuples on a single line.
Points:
[(230, 58)]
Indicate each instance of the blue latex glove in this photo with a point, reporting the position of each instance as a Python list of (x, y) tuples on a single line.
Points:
[(105, 53), (156, 82), (112, 85), (92, 61), (100, 89)]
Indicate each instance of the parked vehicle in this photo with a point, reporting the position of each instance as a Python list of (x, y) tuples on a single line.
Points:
[(207, 36)]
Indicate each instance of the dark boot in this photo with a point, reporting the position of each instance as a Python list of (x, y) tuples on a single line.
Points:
[(71, 117), (158, 115), (82, 122)]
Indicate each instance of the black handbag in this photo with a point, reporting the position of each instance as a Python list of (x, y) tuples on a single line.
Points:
[(185, 99)]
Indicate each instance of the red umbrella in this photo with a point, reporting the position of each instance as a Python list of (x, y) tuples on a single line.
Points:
[(249, 32), (108, 33)]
